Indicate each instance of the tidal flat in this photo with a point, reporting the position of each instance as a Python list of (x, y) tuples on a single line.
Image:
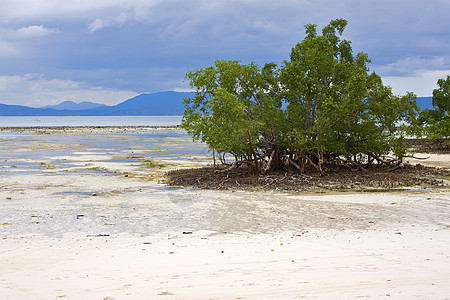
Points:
[(85, 213)]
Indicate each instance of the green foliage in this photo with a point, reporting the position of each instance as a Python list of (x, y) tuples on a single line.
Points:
[(437, 121), (235, 109), (334, 102), (322, 107)]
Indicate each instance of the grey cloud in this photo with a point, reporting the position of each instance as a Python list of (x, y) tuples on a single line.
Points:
[(409, 65), (49, 10), (149, 45)]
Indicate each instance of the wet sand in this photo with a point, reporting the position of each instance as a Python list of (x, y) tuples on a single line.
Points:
[(86, 215)]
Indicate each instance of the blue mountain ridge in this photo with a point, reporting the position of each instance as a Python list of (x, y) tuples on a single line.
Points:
[(154, 104), (70, 105), (425, 102)]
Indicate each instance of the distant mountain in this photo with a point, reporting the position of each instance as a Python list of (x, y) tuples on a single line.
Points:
[(70, 105), (155, 104), (18, 110)]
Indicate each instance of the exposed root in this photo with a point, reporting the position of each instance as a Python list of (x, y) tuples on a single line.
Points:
[(345, 179)]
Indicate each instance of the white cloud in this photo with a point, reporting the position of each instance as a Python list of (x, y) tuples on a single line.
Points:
[(35, 90), (98, 24), (422, 82), (34, 31), (415, 74), (118, 21), (7, 49)]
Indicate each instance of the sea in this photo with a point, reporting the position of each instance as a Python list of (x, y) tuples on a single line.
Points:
[(56, 121)]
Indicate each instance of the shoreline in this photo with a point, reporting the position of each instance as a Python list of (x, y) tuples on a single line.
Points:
[(87, 129), (25, 128)]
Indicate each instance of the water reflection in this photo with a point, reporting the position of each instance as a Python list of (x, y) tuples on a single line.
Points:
[(97, 152)]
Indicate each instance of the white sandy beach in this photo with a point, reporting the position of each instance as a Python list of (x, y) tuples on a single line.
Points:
[(80, 220)]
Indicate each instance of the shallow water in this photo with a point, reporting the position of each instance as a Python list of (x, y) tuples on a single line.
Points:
[(29, 152), (92, 183)]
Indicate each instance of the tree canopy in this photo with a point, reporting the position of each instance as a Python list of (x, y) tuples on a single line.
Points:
[(437, 121), (321, 109)]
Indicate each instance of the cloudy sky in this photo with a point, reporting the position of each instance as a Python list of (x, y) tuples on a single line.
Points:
[(107, 51)]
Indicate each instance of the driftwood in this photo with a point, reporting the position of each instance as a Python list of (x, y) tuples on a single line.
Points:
[(412, 156)]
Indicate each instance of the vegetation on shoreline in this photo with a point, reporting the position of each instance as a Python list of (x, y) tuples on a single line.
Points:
[(323, 109), (436, 122)]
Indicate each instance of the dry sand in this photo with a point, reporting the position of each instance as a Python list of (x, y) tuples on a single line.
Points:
[(78, 220)]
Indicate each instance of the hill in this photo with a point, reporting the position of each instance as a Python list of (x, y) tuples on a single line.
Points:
[(425, 102), (70, 105), (154, 104), (18, 110)]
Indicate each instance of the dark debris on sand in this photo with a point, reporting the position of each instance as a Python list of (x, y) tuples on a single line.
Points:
[(417, 176)]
